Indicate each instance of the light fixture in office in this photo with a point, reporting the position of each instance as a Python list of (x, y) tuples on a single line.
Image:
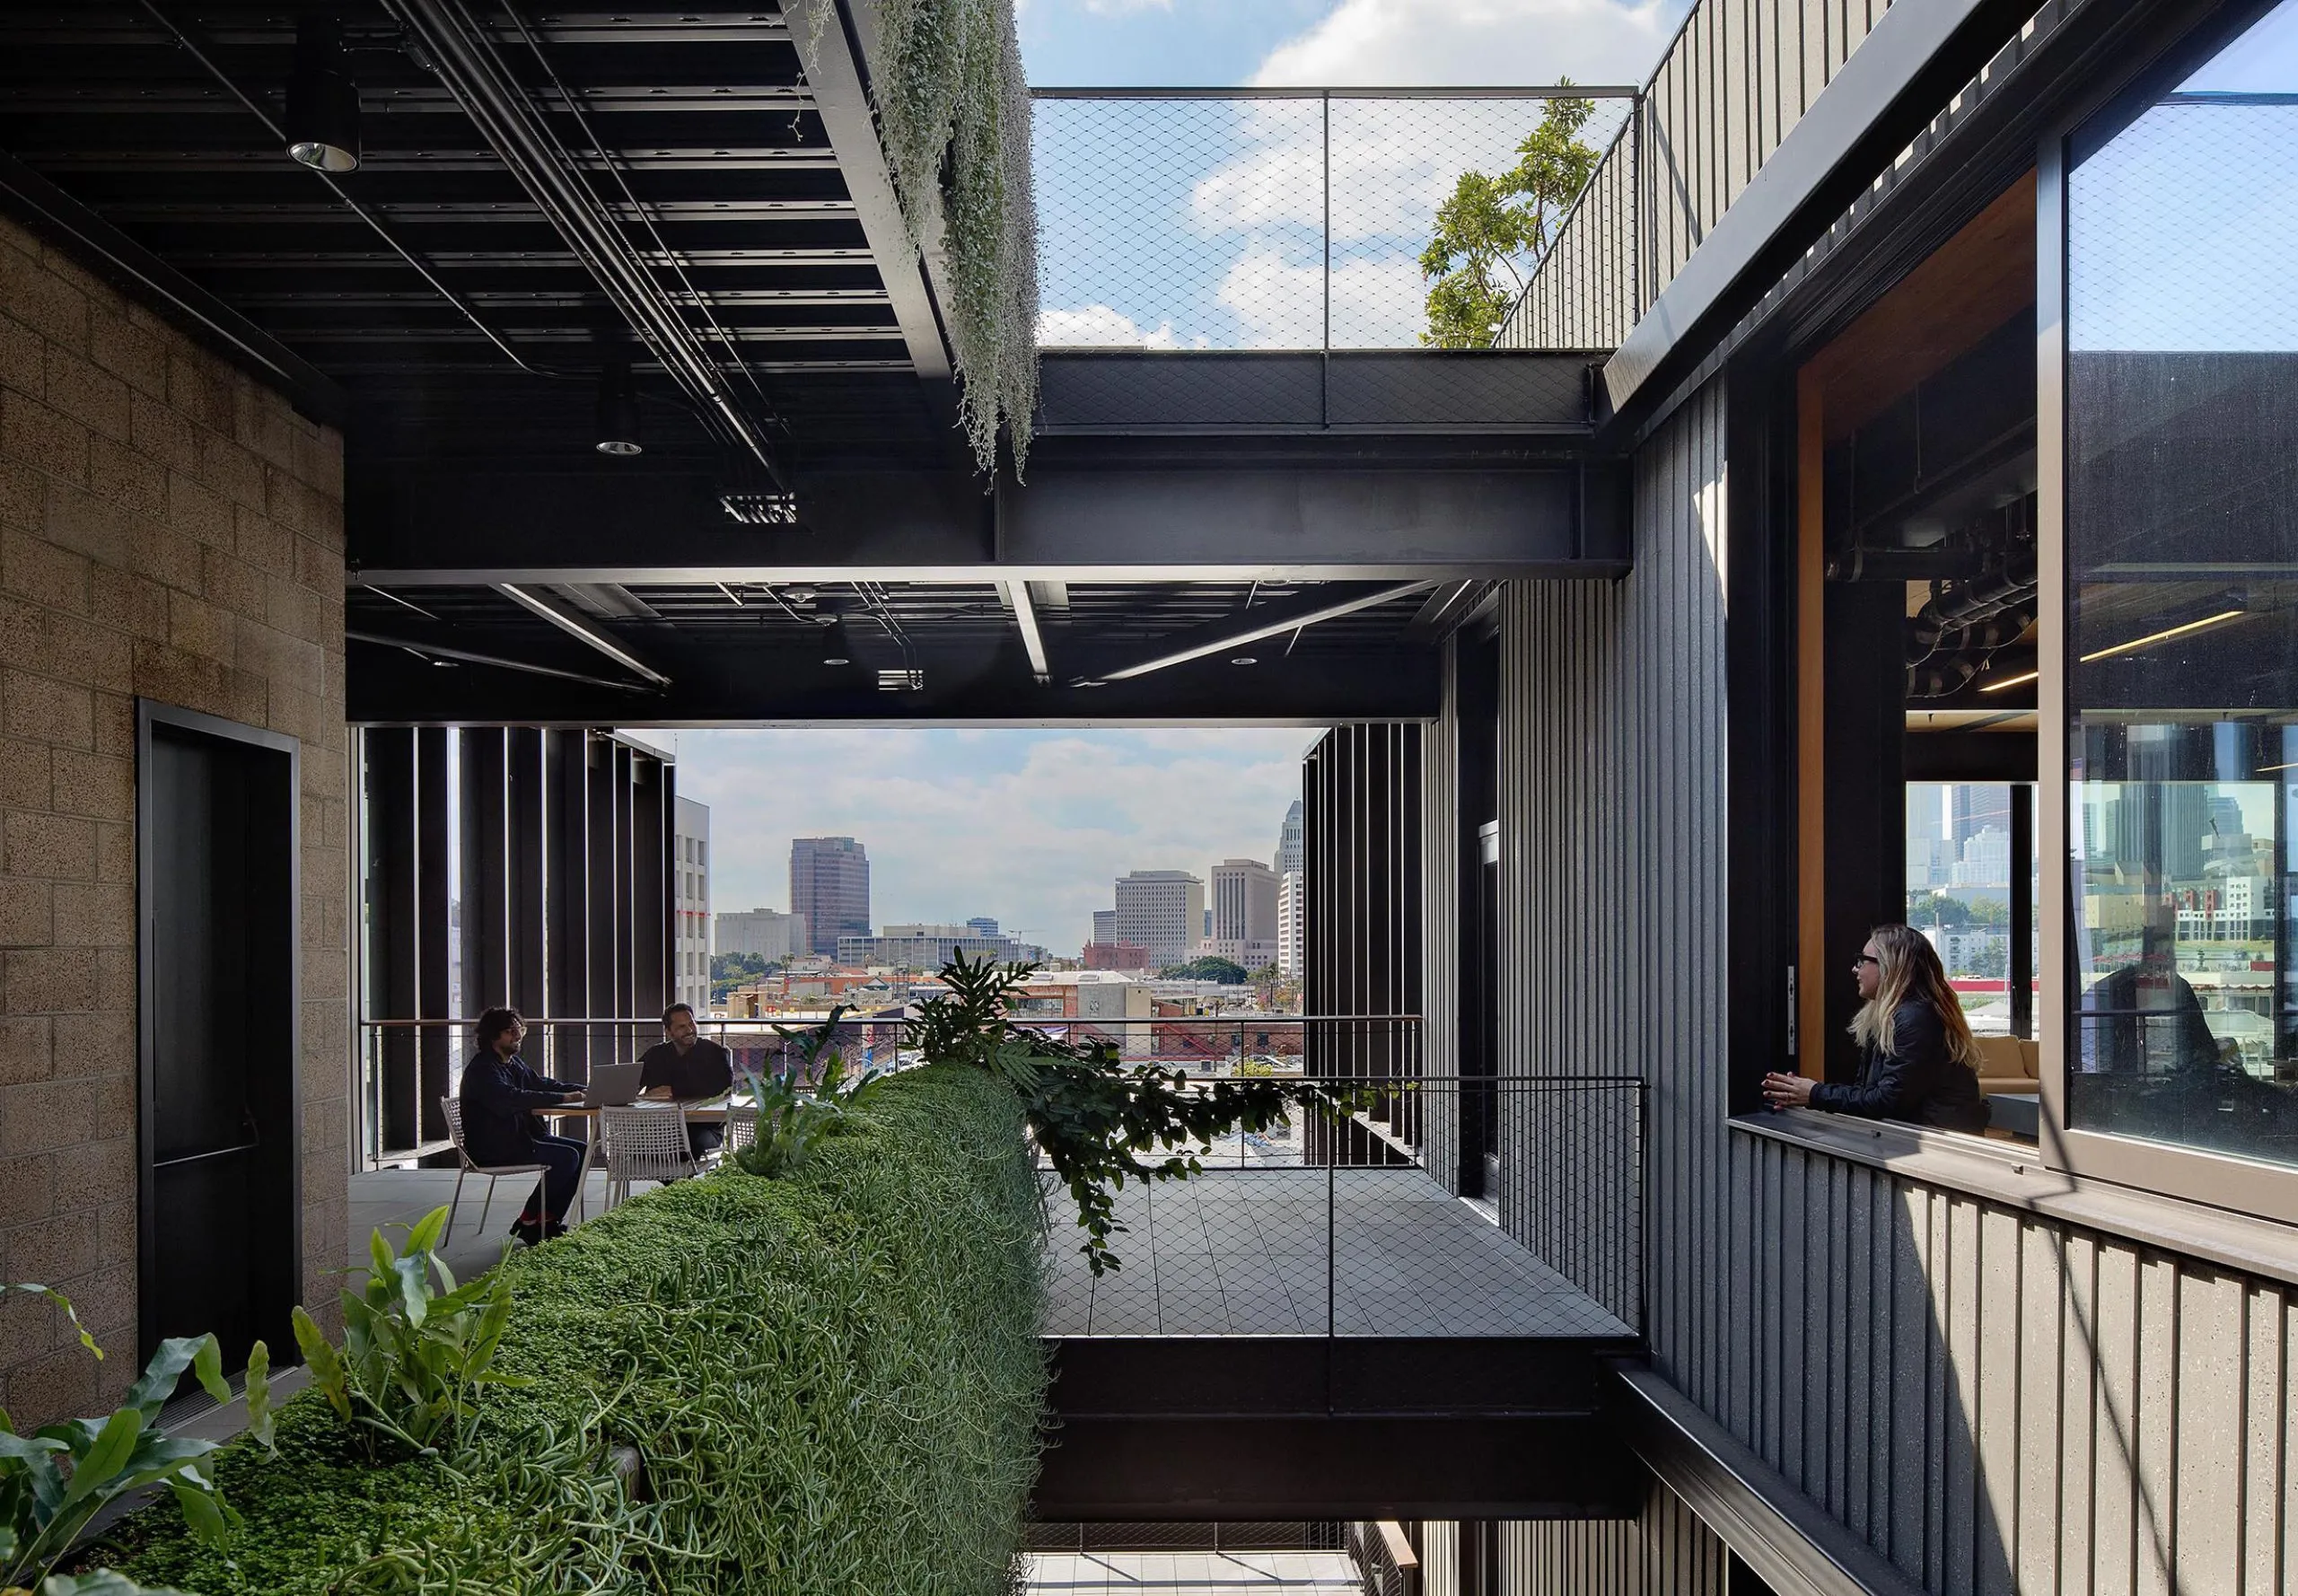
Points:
[(2164, 636)]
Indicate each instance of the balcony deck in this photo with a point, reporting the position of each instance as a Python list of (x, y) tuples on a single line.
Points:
[(1244, 1252)]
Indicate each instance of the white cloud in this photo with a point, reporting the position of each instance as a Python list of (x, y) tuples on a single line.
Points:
[(1030, 827), (1475, 42), (1105, 327), (1375, 302)]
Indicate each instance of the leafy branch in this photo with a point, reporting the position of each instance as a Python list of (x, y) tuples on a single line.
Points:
[(1495, 226), (1100, 1121)]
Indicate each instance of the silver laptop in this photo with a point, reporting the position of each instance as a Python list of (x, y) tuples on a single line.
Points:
[(612, 1086)]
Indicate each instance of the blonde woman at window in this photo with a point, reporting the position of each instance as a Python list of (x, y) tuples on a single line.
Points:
[(1921, 1063)]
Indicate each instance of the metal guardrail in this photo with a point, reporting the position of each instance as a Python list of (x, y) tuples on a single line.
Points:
[(405, 1065), (1507, 1205), (1289, 219)]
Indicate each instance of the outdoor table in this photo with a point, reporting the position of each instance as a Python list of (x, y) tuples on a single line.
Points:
[(698, 1110)]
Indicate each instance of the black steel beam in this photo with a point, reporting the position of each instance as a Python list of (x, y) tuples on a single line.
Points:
[(152, 281), (1316, 1427), (752, 684), (1076, 520), (834, 72), (1789, 1541), (1919, 53)]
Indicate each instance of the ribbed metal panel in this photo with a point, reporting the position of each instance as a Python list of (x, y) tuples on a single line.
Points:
[(1362, 929), (1444, 928), (1740, 74), (1998, 1403), (1995, 1402), (1664, 1551), (1611, 860)]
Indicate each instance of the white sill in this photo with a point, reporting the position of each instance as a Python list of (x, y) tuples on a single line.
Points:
[(2013, 1175)]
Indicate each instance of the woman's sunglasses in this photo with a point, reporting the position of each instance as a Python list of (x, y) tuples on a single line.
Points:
[(1870, 959)]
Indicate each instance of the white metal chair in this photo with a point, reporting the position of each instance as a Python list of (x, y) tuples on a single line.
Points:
[(741, 1131), (453, 1108), (643, 1143)]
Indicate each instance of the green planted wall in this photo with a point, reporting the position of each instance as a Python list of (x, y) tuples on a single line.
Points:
[(833, 1383)]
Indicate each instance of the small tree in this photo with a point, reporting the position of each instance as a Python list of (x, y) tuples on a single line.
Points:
[(1492, 229)]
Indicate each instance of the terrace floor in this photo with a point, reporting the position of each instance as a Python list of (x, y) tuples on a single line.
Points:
[(396, 1198), (1244, 1252)]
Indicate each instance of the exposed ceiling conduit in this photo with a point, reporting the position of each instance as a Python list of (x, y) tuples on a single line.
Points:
[(192, 44), (465, 58)]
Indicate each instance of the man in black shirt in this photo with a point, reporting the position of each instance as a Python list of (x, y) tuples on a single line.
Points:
[(687, 1068), (501, 1097)]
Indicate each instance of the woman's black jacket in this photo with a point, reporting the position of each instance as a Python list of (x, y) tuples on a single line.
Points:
[(1914, 1079)]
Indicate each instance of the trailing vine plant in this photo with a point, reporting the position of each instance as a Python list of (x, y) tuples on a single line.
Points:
[(1099, 1120), (954, 110)]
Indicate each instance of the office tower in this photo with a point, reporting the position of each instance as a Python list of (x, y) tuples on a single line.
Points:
[(829, 884), (1289, 908), (1244, 901), (767, 932), (1164, 911), (691, 905), (1104, 927), (1289, 840)]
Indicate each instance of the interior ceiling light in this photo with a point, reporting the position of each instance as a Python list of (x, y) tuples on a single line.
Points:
[(1244, 659), (2010, 681), (837, 644), (617, 411), (322, 123), (2164, 636)]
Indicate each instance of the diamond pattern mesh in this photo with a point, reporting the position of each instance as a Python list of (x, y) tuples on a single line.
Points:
[(1243, 222)]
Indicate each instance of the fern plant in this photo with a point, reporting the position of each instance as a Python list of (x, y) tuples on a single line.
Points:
[(413, 1357)]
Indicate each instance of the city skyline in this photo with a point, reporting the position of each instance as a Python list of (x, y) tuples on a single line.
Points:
[(1027, 827)]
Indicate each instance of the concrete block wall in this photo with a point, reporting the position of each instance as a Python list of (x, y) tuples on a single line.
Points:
[(169, 528)]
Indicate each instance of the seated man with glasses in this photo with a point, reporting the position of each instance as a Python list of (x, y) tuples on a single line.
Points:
[(686, 1068)]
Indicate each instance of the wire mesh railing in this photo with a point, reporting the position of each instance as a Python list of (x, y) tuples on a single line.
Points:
[(1284, 219), (1439, 1205)]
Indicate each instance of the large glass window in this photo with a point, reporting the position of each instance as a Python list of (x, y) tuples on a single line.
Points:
[(2182, 619), (1966, 872)]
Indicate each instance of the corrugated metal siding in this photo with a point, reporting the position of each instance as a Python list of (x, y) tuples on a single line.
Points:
[(1362, 929), (1440, 870), (1737, 78), (1664, 1551), (1998, 1403), (1995, 1402), (1611, 859)]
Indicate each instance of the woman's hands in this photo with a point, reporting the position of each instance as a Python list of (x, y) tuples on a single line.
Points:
[(1786, 1092)]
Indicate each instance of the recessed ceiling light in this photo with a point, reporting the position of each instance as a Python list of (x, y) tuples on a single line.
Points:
[(1244, 659)]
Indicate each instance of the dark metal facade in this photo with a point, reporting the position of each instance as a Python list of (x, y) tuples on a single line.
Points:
[(505, 865), (1363, 909)]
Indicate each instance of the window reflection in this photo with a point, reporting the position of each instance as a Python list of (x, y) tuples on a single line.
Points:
[(2182, 620)]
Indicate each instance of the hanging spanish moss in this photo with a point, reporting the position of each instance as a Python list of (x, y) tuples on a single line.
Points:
[(953, 108)]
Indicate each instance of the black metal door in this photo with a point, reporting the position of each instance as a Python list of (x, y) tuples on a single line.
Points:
[(219, 1134)]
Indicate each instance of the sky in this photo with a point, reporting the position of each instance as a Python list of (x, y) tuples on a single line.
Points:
[(1213, 240), (1203, 224), (1028, 827)]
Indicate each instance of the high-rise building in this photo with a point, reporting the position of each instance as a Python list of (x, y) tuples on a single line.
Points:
[(927, 947), (1244, 902), (1290, 840), (767, 932), (1104, 927), (1164, 911), (691, 905), (829, 884), (1289, 906)]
